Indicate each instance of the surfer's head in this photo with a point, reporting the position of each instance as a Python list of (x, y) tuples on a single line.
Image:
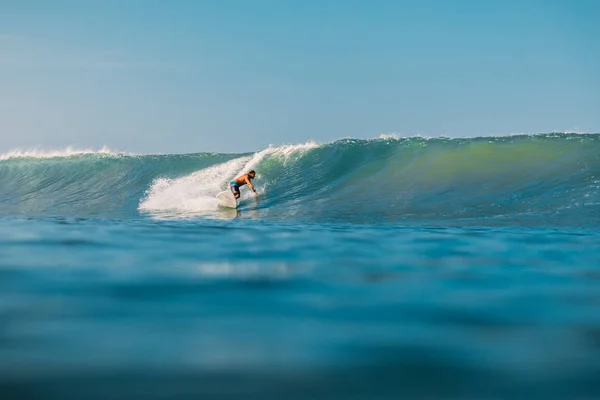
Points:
[(251, 173)]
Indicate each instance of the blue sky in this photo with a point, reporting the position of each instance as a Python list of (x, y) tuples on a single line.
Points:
[(181, 76)]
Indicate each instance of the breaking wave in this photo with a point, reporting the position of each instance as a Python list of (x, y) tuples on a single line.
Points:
[(523, 179)]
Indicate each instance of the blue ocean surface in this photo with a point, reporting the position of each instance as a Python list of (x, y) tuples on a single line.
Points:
[(365, 269)]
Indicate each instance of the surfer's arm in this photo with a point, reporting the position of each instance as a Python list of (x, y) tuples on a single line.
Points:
[(250, 185)]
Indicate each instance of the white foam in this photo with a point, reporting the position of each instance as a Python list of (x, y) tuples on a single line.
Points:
[(389, 136), (66, 152), (191, 193), (196, 192), (285, 152), (397, 136)]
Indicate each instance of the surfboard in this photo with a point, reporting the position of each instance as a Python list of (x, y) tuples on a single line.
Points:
[(227, 199)]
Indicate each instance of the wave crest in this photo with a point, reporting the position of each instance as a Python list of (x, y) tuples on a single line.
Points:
[(60, 153)]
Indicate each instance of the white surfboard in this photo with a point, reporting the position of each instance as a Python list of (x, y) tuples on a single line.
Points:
[(227, 199)]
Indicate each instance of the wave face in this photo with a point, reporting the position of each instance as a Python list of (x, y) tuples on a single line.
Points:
[(545, 179)]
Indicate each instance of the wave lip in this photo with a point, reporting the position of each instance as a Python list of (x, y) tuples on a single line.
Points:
[(66, 152)]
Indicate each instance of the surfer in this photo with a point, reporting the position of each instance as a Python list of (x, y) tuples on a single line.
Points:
[(242, 180)]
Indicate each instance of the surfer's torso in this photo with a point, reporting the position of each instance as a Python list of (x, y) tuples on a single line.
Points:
[(241, 180)]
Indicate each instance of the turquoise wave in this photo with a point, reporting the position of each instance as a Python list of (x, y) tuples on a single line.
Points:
[(524, 179)]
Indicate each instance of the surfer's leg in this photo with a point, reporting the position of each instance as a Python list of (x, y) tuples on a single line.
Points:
[(235, 189)]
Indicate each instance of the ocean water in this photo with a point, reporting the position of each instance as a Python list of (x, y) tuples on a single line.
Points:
[(365, 269)]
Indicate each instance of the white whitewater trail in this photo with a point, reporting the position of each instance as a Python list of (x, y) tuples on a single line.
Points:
[(196, 192)]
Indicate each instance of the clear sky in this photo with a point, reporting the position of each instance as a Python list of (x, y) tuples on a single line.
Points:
[(167, 76)]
